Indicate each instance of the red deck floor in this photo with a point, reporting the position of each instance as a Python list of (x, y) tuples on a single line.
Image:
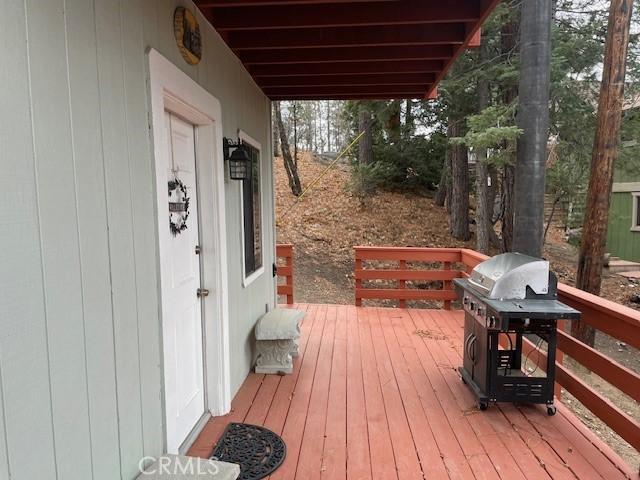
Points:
[(375, 394)]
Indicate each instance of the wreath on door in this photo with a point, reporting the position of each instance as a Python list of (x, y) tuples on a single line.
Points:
[(178, 206)]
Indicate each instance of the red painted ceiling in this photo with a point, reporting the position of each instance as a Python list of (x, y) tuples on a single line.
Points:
[(347, 49)]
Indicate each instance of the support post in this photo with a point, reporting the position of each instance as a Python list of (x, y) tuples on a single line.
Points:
[(533, 119)]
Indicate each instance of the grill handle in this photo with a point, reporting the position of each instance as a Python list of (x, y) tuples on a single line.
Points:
[(468, 343)]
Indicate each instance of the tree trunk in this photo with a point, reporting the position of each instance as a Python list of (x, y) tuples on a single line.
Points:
[(492, 193), (484, 211), (533, 119), (289, 165), (393, 121), (483, 218), (444, 186), (295, 134), (408, 118), (274, 126), (508, 177), (459, 200), (315, 128), (605, 150), (328, 126), (556, 200), (365, 146), (441, 194)]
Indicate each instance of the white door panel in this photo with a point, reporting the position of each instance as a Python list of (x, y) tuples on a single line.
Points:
[(182, 310)]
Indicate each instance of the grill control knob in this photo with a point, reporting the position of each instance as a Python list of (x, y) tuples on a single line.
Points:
[(465, 300), (492, 321), (472, 306), (480, 311)]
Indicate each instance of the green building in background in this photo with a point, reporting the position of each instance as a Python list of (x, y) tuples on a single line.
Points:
[(623, 237)]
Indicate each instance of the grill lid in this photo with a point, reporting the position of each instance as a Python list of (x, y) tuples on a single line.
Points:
[(508, 275)]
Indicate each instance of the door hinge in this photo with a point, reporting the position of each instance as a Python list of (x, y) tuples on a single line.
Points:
[(202, 292), (275, 270), (198, 249)]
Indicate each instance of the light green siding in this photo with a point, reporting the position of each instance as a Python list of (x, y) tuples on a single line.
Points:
[(80, 348), (621, 241)]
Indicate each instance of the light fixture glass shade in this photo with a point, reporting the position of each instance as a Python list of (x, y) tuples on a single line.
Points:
[(239, 164)]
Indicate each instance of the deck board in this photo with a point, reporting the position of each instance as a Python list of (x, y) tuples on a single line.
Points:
[(310, 459), (374, 394), (358, 453), (380, 444), (334, 457)]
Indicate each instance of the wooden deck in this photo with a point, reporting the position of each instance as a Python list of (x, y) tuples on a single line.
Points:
[(375, 395)]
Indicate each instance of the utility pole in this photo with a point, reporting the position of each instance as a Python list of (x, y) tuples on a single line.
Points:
[(533, 119), (605, 151)]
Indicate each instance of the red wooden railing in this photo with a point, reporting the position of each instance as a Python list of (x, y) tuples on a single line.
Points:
[(608, 317), (616, 320), (284, 270), (404, 270)]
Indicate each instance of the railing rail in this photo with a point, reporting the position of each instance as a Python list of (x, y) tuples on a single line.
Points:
[(618, 321), (403, 271), (284, 270)]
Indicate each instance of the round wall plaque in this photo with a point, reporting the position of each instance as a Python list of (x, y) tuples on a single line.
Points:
[(187, 32)]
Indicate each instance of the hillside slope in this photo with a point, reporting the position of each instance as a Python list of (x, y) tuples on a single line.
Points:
[(329, 220)]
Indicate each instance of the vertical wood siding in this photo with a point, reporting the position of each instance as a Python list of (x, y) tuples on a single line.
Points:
[(93, 234), (621, 240), (59, 228), (24, 352), (80, 342)]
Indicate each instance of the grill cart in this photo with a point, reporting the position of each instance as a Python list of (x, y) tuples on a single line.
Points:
[(511, 296)]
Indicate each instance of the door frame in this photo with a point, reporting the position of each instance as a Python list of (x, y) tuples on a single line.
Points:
[(172, 90)]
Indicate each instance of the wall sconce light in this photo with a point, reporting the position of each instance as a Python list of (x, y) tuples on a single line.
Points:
[(239, 161)]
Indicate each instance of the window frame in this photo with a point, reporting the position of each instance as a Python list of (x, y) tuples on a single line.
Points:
[(635, 211), (249, 279)]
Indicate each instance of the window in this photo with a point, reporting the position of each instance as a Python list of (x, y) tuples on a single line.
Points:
[(252, 215), (635, 215)]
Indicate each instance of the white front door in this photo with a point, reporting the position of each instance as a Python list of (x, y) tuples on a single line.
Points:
[(182, 309)]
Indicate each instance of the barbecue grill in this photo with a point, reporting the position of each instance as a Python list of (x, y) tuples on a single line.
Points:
[(508, 297)]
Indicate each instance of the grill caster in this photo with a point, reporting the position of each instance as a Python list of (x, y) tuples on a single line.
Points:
[(551, 410), (483, 404)]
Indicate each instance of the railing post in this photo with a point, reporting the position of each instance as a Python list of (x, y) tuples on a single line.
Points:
[(286, 290), (446, 285), (289, 263), (402, 303), (358, 281), (557, 388)]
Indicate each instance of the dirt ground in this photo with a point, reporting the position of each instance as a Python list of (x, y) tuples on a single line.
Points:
[(330, 220)]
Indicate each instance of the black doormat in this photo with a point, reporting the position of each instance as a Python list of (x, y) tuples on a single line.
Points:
[(256, 449)]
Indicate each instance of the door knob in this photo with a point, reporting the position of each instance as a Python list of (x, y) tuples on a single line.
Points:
[(202, 292)]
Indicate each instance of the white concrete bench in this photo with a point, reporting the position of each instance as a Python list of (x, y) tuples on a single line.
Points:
[(178, 467), (277, 334)]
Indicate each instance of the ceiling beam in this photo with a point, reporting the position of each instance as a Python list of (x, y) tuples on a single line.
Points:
[(259, 3), (345, 90), (353, 96), (471, 37), (402, 12), (346, 54), (359, 68), (436, 34), (348, 80)]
